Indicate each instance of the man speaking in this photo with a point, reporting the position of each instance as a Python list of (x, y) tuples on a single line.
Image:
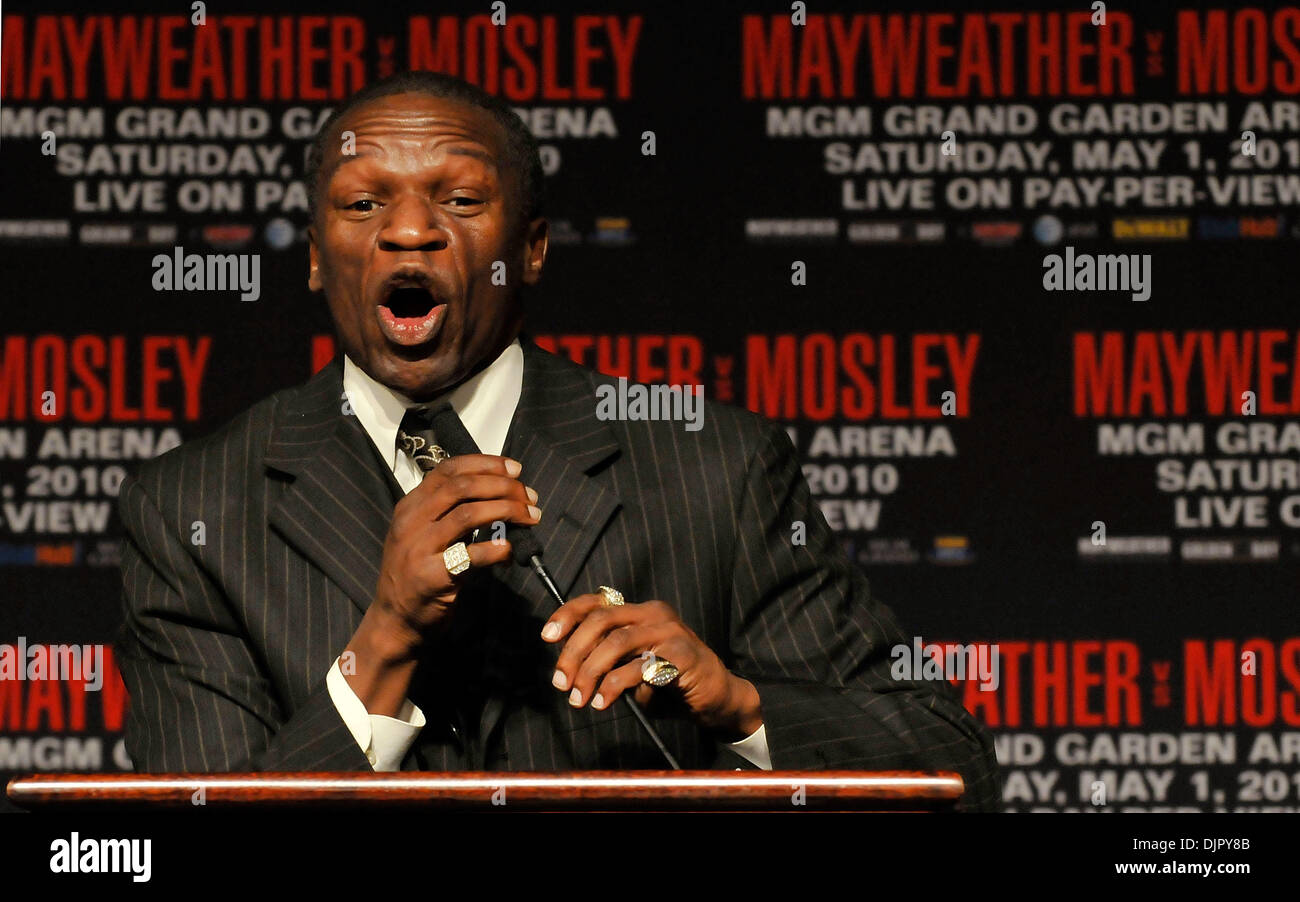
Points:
[(355, 605)]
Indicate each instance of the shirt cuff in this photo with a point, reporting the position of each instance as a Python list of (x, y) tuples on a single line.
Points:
[(384, 740), (753, 748)]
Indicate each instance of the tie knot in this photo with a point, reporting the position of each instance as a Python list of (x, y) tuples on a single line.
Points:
[(415, 438), (417, 421)]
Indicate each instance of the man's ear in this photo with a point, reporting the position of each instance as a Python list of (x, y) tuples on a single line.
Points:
[(535, 244), (313, 260)]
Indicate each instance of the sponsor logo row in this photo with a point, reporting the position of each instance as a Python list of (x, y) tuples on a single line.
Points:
[(616, 231), (945, 549), (1046, 230), (1202, 549)]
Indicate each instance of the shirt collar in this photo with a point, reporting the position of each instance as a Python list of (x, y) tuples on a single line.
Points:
[(485, 403)]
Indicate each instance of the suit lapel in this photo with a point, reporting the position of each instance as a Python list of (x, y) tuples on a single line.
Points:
[(556, 437), (337, 509), (559, 441)]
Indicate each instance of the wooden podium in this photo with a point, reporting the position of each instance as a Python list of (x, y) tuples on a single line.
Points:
[(770, 791)]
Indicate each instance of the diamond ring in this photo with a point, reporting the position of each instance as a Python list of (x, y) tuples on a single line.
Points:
[(456, 559)]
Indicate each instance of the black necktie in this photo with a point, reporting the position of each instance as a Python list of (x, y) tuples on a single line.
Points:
[(448, 689), (415, 437)]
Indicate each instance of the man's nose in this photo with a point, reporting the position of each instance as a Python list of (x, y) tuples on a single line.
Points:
[(412, 224)]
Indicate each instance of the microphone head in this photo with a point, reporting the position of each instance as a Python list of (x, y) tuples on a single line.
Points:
[(523, 544)]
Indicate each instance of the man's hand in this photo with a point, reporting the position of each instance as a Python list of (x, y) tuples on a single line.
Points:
[(462, 494), (416, 594), (606, 647)]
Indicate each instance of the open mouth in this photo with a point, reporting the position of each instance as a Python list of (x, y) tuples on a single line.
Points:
[(410, 313), (410, 302)]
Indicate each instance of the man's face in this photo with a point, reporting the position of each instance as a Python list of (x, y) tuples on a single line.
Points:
[(405, 239)]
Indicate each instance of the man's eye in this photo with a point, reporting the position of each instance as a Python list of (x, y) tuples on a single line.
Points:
[(461, 201), (362, 206)]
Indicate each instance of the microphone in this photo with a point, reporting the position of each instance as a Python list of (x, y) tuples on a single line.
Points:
[(455, 439)]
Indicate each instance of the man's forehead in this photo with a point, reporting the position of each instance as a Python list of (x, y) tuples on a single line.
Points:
[(416, 118), (425, 121)]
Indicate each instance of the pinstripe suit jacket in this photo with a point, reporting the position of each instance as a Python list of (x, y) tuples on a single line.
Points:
[(226, 642)]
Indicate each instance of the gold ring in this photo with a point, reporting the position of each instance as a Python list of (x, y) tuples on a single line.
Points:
[(610, 597), (456, 559), (659, 672)]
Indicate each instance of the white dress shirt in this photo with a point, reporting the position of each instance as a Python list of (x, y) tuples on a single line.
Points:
[(486, 404)]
